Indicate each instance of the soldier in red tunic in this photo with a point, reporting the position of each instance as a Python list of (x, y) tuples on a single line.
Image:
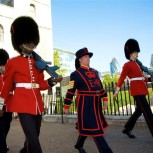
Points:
[(21, 72), (138, 88), (5, 115), (90, 93)]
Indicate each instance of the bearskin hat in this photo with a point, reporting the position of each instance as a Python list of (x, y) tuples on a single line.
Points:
[(4, 56), (24, 30), (131, 46)]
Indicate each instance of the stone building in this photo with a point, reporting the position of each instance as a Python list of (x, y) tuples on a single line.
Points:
[(40, 11)]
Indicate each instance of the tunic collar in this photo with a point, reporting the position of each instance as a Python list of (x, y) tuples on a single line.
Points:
[(85, 67), (26, 55), (132, 60)]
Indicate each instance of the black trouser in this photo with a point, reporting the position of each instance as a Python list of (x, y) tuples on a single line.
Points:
[(100, 142), (142, 106), (5, 121), (31, 126)]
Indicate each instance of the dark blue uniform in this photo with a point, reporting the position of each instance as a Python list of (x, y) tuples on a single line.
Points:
[(91, 121)]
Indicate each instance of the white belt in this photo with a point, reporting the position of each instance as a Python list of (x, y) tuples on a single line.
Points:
[(27, 85), (138, 78)]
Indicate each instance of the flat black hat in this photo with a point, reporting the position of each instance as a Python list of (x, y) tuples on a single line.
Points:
[(131, 46), (24, 30), (4, 56), (82, 52)]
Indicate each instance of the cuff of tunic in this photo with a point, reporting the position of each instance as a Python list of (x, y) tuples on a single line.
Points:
[(105, 99), (66, 106)]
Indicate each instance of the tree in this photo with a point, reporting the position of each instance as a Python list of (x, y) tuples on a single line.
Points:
[(57, 62), (109, 79), (56, 59)]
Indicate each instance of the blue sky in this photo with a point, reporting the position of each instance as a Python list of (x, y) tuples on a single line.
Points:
[(103, 26)]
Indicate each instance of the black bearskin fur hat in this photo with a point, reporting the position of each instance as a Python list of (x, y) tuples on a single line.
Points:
[(24, 30), (4, 56), (131, 46)]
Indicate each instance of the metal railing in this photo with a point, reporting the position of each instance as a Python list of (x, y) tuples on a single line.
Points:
[(124, 105)]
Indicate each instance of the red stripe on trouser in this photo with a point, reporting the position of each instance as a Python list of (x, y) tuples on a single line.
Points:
[(98, 146)]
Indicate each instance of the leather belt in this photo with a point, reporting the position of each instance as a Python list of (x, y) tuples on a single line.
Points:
[(27, 85), (93, 93)]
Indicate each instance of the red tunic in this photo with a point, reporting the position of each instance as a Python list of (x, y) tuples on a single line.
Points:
[(9, 98), (133, 70), (25, 100)]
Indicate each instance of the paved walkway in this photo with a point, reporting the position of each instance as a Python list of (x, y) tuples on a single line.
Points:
[(60, 138)]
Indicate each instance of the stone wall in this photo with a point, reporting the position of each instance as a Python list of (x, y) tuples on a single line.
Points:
[(112, 120)]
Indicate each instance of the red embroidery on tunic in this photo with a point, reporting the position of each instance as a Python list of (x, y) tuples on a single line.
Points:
[(94, 83), (90, 74)]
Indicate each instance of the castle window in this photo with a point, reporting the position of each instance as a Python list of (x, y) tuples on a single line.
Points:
[(32, 10), (7, 2)]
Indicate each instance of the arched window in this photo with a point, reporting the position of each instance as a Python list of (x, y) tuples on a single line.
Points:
[(7, 2), (1, 34), (32, 10)]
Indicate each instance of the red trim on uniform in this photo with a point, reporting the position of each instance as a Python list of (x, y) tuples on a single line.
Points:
[(84, 80), (82, 110), (70, 92), (95, 116), (101, 122), (105, 99), (66, 106), (91, 91), (93, 135), (68, 99), (85, 67)]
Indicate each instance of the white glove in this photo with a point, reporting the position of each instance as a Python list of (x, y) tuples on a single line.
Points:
[(116, 92), (1, 103)]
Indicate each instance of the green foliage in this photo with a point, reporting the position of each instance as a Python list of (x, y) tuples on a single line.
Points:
[(108, 79), (60, 71), (114, 107), (56, 59), (123, 99)]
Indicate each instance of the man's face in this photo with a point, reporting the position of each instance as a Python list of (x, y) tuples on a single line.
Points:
[(134, 55), (27, 47), (85, 60)]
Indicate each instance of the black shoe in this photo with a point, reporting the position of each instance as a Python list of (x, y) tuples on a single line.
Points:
[(23, 150), (76, 125), (128, 133), (81, 150)]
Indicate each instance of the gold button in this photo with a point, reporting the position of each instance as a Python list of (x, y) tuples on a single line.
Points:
[(33, 85)]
